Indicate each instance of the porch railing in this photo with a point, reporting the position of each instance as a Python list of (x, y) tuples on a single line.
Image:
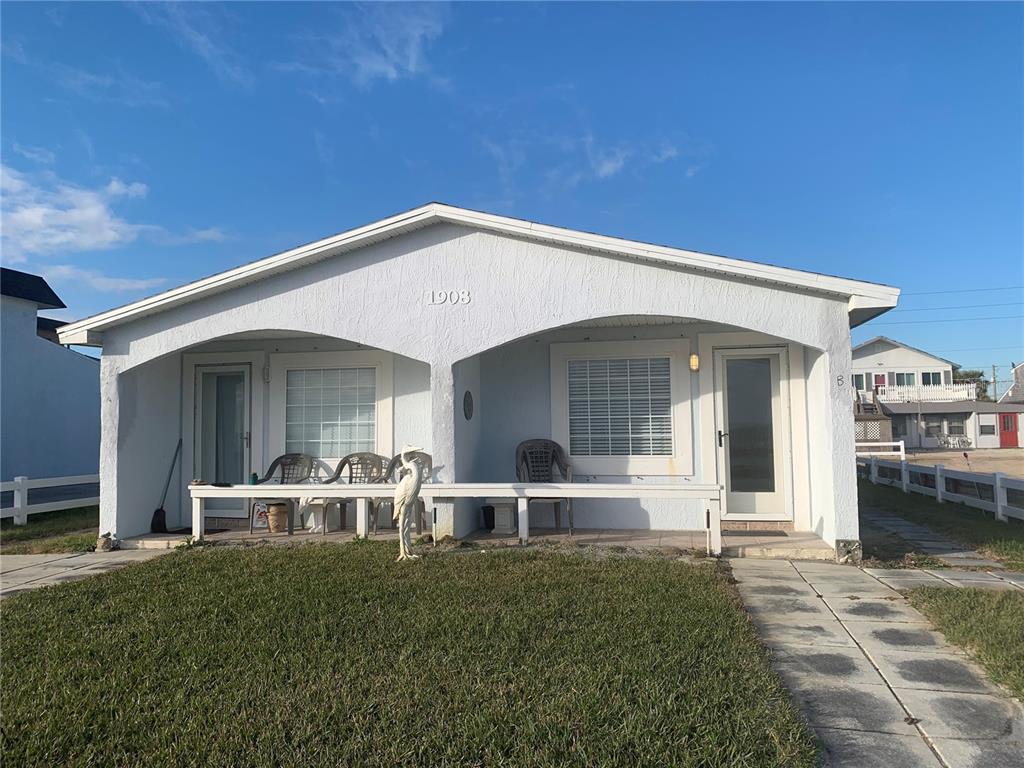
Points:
[(925, 393), (712, 495)]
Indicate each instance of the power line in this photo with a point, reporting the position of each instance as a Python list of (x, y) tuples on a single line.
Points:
[(961, 306), (965, 290), (979, 349), (953, 320)]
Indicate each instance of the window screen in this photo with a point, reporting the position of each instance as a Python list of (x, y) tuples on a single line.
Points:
[(330, 412), (955, 425), (620, 407)]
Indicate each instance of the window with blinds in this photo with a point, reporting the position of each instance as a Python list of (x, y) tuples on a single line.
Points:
[(620, 407), (330, 413)]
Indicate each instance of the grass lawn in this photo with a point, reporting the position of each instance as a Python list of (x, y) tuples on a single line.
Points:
[(975, 527), (328, 654), (69, 530), (988, 623)]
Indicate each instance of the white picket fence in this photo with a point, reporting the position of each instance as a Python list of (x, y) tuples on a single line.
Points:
[(896, 448), (21, 486), (994, 492)]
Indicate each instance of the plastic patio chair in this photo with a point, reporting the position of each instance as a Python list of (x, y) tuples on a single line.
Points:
[(535, 463), (289, 469), (363, 467)]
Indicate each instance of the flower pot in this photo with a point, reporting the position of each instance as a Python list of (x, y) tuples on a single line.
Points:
[(277, 518)]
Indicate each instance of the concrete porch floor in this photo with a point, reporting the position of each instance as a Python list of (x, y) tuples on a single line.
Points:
[(759, 544)]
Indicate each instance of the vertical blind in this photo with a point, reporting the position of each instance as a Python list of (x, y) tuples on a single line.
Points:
[(330, 412), (620, 407)]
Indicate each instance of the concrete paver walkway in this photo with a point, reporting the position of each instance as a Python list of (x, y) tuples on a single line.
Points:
[(879, 686), (927, 541), (23, 572)]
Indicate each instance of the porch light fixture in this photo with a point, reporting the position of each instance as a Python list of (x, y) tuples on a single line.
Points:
[(694, 362)]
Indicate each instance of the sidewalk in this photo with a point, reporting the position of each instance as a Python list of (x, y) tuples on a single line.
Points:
[(879, 686), (927, 541), (19, 573)]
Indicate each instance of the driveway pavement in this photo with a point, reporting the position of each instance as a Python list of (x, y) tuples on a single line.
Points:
[(23, 572), (879, 686)]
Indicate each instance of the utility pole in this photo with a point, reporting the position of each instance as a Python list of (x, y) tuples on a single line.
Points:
[(995, 385)]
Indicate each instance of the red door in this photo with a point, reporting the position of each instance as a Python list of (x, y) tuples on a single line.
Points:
[(1007, 430), (879, 379)]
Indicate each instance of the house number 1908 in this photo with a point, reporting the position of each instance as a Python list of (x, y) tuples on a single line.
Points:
[(448, 297)]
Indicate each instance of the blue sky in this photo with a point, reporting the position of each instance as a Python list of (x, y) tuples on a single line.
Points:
[(148, 145)]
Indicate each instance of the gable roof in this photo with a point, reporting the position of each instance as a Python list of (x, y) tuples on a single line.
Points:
[(895, 343), (24, 285), (866, 300)]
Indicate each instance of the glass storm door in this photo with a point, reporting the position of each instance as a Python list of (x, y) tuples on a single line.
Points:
[(750, 420), (222, 432)]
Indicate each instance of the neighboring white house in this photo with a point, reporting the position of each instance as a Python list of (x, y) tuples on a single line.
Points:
[(896, 372), (465, 333), (50, 418)]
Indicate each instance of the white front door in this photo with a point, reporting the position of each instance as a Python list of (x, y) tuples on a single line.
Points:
[(222, 431), (752, 432)]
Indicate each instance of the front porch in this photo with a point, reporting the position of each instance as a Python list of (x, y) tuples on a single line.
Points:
[(654, 412), (759, 544)]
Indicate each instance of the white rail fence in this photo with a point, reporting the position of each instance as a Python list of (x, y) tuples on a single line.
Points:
[(896, 448), (22, 485), (994, 492)]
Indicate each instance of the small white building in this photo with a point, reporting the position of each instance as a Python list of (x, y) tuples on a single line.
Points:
[(50, 420), (466, 333), (964, 424), (897, 372)]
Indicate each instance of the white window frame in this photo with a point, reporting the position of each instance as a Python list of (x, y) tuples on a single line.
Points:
[(932, 375), (382, 362), (677, 351)]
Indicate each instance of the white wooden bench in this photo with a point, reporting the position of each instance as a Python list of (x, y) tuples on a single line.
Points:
[(712, 495)]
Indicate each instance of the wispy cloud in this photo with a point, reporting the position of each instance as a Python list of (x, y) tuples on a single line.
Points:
[(43, 215), (97, 280), (376, 42), (119, 87), (605, 162), (199, 30), (36, 154)]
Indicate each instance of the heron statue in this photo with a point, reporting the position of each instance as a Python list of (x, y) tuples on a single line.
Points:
[(406, 494)]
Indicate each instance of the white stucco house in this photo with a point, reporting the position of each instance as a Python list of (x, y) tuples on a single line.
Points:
[(466, 333), (50, 419), (898, 372)]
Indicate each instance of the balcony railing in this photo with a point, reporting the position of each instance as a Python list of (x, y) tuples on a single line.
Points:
[(964, 390)]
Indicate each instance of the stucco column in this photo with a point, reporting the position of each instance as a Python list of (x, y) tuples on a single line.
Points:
[(442, 439), (109, 418), (844, 469)]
